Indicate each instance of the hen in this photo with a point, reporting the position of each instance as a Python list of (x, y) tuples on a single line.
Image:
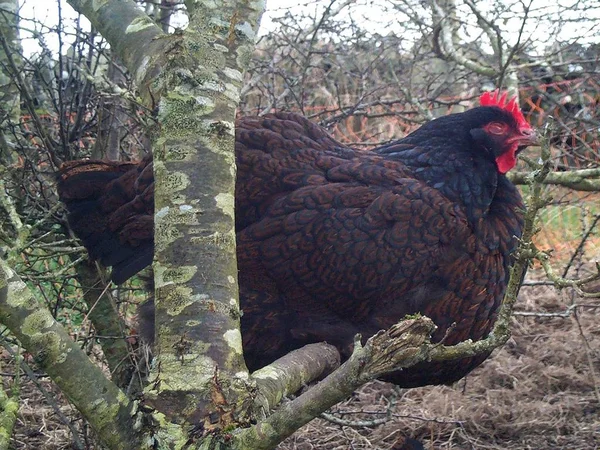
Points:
[(333, 241)]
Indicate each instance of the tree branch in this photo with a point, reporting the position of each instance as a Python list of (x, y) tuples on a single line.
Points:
[(289, 373), (492, 30), (103, 405), (49, 398), (400, 346), (200, 375), (107, 322), (447, 43), (580, 180), (9, 406), (134, 36)]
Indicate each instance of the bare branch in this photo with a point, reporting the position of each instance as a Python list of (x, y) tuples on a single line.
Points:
[(400, 346), (288, 374), (587, 180), (447, 43), (104, 406)]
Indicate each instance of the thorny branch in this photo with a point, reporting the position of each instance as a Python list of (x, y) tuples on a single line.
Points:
[(538, 201)]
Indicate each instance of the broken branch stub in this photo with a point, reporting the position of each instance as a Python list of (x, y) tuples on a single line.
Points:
[(402, 345)]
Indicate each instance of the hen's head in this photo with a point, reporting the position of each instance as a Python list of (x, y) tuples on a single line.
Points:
[(502, 129)]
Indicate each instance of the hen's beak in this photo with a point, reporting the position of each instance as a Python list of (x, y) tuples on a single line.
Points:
[(525, 138)]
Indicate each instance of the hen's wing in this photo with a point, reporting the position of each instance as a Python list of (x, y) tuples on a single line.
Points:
[(353, 249), (277, 154)]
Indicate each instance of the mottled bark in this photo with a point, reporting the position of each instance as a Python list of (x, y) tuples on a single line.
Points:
[(10, 109), (587, 180), (104, 406), (202, 378), (132, 35), (195, 78), (111, 120), (289, 374), (12, 230), (403, 345)]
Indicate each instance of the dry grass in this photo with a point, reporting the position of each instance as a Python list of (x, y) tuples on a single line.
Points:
[(38, 425)]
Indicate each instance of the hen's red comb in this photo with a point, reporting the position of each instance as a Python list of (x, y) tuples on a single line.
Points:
[(512, 106)]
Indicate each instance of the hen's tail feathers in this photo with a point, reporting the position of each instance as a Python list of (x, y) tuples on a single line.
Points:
[(111, 207)]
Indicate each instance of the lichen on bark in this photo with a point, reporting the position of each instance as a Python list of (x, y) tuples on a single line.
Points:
[(198, 325), (105, 407)]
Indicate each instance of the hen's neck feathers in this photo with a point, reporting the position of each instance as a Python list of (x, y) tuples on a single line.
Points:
[(444, 154)]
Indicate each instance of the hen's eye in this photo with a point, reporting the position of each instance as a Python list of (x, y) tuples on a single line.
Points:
[(496, 128)]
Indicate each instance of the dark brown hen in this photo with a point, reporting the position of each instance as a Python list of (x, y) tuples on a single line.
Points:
[(333, 241)]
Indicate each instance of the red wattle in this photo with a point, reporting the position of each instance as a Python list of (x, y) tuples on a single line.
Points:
[(506, 161)]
